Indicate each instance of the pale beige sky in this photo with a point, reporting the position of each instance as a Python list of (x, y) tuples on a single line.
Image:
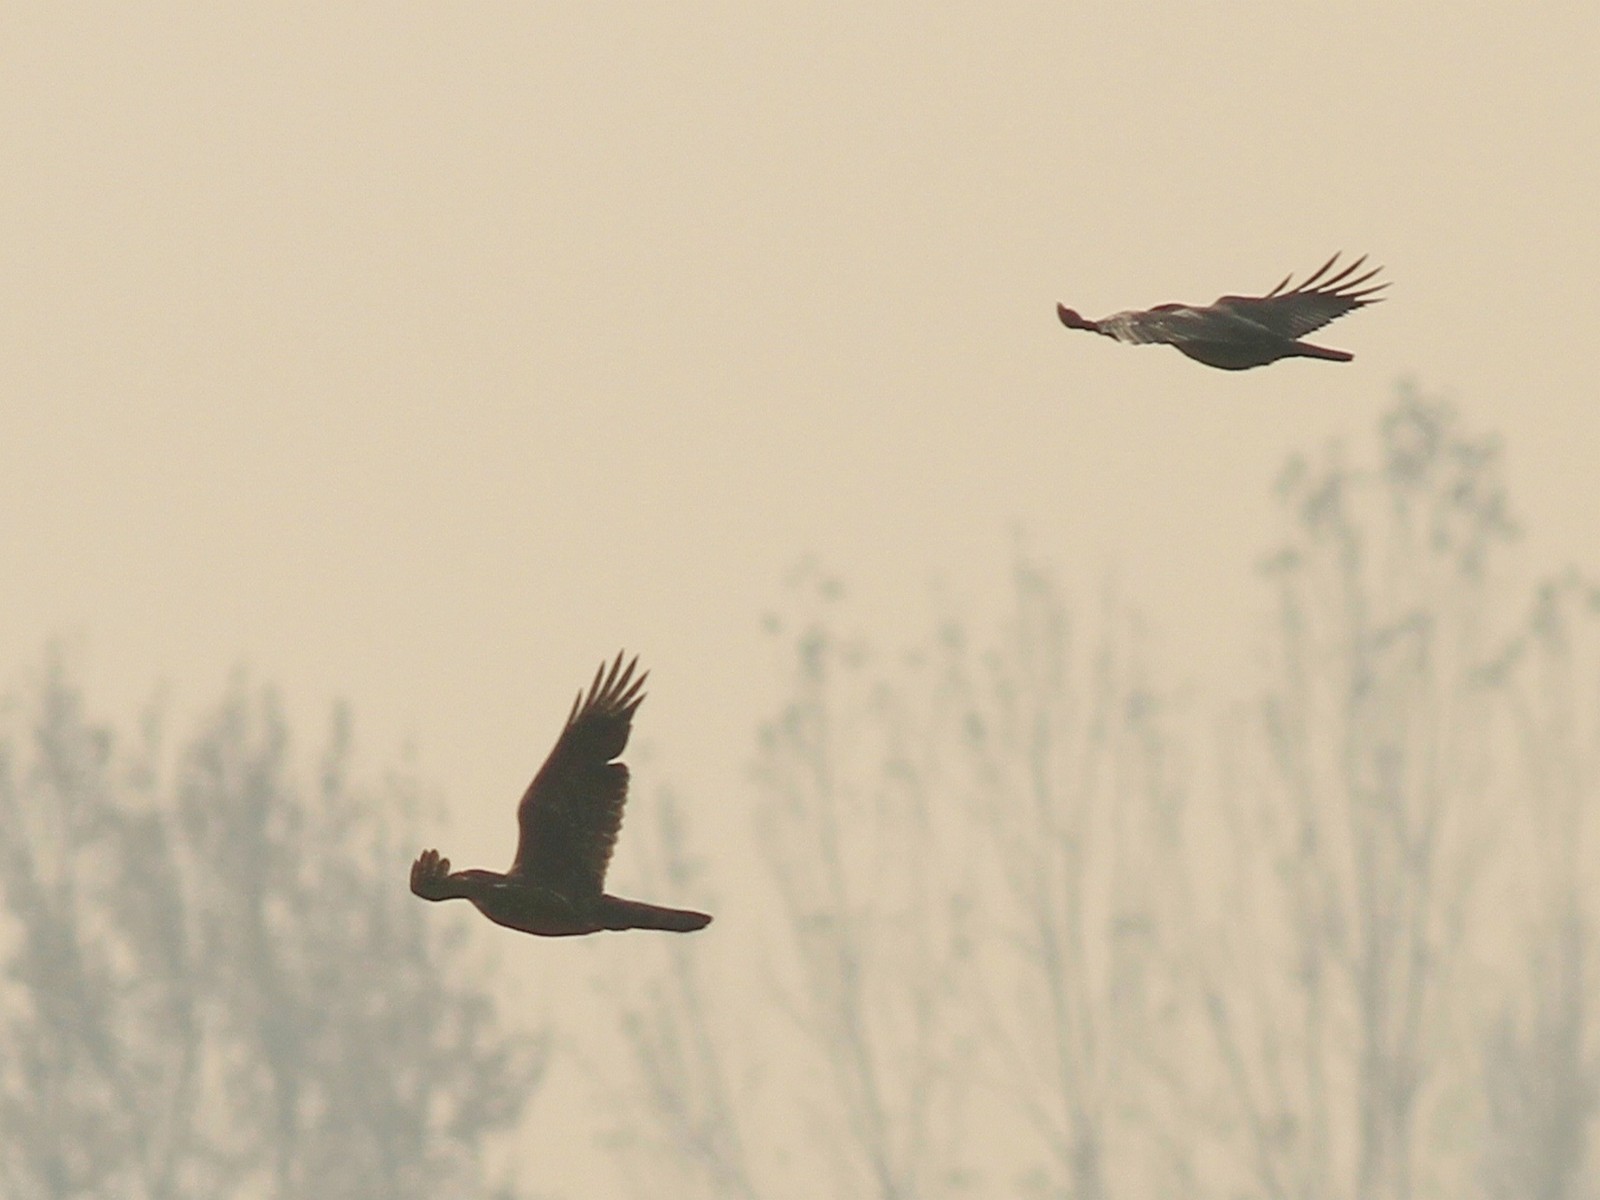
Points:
[(425, 354)]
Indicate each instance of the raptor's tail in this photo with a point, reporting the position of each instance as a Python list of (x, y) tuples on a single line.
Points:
[(636, 914), (1307, 350)]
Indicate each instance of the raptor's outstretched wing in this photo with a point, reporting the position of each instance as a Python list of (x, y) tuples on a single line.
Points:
[(1310, 305), (570, 814)]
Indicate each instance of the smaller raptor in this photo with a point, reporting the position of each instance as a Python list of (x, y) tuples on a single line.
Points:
[(1240, 332), (568, 819)]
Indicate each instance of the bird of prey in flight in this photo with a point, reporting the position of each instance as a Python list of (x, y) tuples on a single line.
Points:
[(568, 822), (1240, 332)]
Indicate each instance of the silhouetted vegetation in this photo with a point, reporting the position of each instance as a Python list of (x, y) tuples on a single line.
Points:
[(216, 983), (1031, 934)]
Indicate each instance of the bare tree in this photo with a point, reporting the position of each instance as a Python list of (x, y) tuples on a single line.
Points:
[(1028, 945), (1355, 792), (97, 1096), (1079, 780), (690, 1100), (1542, 1077), (897, 790), (220, 986), (868, 870)]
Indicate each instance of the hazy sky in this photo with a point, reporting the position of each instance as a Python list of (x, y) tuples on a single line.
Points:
[(425, 354)]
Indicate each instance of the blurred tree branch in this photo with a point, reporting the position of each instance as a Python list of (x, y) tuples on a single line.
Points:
[(1542, 1075), (1357, 821)]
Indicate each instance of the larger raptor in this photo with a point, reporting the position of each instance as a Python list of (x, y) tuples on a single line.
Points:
[(568, 821)]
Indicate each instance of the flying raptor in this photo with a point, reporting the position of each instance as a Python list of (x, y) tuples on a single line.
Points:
[(1240, 332), (568, 822)]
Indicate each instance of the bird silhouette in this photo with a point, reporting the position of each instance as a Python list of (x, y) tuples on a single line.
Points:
[(1240, 332), (568, 821)]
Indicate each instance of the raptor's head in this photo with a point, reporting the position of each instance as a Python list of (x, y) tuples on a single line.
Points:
[(431, 878), (1071, 319)]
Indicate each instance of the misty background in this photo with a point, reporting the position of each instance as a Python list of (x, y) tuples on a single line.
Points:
[(1111, 777)]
